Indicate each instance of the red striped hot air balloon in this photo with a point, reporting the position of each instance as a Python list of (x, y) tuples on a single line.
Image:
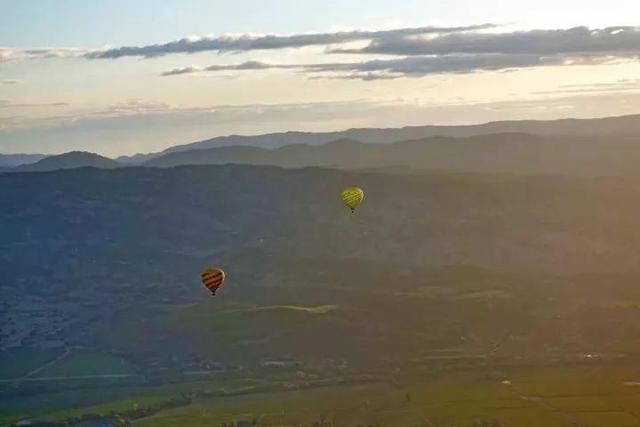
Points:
[(212, 278)]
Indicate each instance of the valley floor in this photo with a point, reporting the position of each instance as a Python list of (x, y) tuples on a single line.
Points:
[(579, 396)]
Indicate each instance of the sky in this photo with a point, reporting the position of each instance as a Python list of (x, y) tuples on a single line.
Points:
[(122, 77)]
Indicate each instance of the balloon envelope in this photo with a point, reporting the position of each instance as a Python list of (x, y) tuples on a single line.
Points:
[(212, 278), (352, 197)]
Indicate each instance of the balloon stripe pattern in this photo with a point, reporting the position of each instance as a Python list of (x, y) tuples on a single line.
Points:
[(352, 197), (212, 278)]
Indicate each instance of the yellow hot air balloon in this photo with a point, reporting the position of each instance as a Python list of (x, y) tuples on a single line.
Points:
[(352, 197)]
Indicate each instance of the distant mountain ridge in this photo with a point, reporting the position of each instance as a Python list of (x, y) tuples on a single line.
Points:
[(496, 153), (622, 126), (606, 146), (12, 160), (71, 160)]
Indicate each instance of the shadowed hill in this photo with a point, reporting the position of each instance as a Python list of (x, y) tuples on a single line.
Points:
[(614, 127), (71, 160), (195, 211), (435, 271), (285, 239), (497, 153), (12, 160)]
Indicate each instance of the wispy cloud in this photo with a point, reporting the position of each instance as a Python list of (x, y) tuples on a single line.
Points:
[(115, 131), (141, 110), (463, 50), (7, 103), (412, 66), (563, 45), (10, 81), (618, 41), (621, 85), (245, 66), (250, 42), (133, 106), (419, 51), (11, 54), (134, 125)]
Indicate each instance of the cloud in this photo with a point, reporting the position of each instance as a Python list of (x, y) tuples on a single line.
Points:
[(422, 66), (459, 47), (418, 66), (618, 41), (139, 111), (419, 51), (10, 82), (10, 54), (121, 133), (245, 66), (133, 106), (621, 85), (250, 42), (7, 103), (118, 130), (463, 50), (365, 76)]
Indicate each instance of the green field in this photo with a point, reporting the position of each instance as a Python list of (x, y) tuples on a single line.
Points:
[(550, 398), (17, 362), (83, 363), (593, 396)]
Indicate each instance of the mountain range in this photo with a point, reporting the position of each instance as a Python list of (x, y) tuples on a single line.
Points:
[(71, 160), (496, 153), (11, 160), (594, 147), (623, 126)]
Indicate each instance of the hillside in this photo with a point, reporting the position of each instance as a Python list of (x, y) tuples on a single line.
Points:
[(145, 233), (442, 271), (496, 153), (71, 160), (609, 127), (12, 160)]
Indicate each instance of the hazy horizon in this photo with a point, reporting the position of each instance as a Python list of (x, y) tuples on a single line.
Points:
[(118, 79)]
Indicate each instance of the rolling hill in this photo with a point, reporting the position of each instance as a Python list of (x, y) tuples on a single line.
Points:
[(71, 160), (12, 160), (133, 234), (435, 272), (610, 127), (495, 153)]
